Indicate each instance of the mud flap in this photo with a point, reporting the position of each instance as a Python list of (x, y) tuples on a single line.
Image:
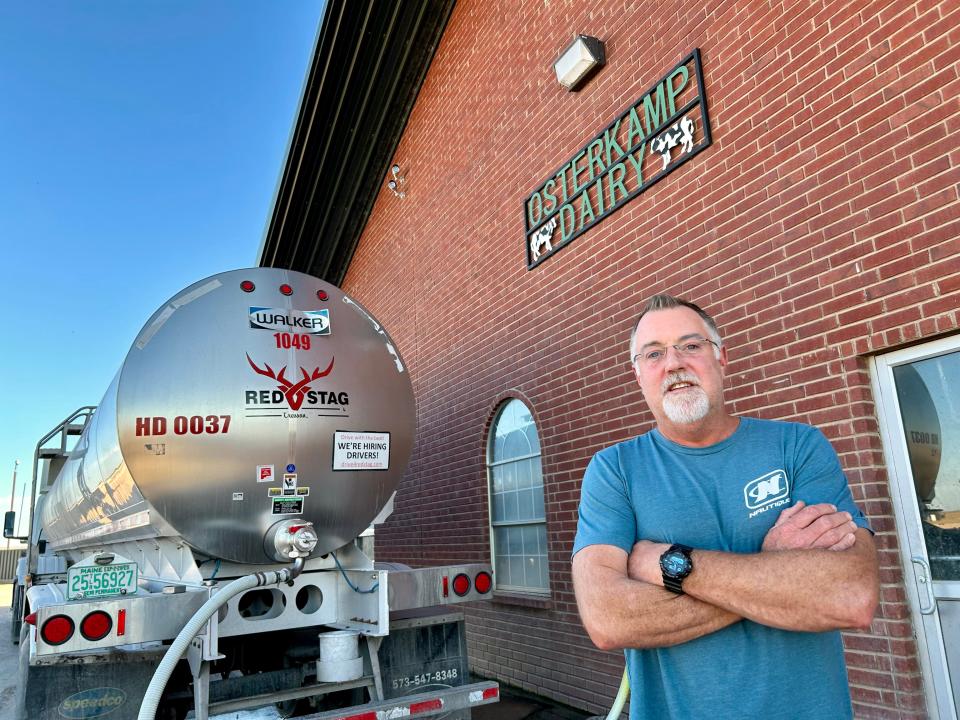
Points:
[(110, 685)]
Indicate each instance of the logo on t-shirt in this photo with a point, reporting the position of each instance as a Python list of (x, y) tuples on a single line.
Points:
[(764, 492)]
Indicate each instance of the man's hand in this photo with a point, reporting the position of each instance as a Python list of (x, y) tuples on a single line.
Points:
[(806, 527)]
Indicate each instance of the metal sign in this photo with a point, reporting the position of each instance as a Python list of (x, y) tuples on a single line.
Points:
[(667, 126)]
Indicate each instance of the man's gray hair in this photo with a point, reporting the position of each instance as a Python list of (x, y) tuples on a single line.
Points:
[(662, 301)]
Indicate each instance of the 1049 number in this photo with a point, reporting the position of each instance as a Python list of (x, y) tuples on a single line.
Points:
[(289, 340)]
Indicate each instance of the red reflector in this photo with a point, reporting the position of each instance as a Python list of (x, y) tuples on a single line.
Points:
[(446, 586), (321, 294), (491, 693), (57, 630), (96, 626), (31, 619), (483, 582), (247, 286), (426, 705), (121, 622), (286, 289), (461, 584), (361, 716)]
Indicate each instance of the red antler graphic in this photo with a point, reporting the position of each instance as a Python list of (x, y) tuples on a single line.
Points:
[(294, 393)]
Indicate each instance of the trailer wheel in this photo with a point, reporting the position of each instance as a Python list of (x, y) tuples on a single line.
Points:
[(16, 614), (23, 668)]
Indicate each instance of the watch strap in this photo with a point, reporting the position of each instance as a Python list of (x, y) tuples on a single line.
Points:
[(673, 584)]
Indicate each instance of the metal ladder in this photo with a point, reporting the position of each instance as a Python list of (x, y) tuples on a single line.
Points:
[(72, 426)]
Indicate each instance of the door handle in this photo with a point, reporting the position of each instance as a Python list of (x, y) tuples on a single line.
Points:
[(926, 581)]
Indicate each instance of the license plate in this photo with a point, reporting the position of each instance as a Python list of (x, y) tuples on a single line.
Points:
[(97, 581)]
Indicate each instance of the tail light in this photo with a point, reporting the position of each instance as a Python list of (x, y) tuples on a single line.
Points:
[(57, 630), (461, 584), (96, 625), (426, 706), (31, 619), (483, 582)]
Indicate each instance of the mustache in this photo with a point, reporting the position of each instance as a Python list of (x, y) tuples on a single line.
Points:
[(677, 377)]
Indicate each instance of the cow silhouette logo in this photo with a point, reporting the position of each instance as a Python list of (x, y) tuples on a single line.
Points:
[(680, 133), (540, 241)]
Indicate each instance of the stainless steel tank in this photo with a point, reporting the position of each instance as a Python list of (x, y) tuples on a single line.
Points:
[(251, 397)]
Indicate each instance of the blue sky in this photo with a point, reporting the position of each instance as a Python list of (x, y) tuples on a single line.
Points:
[(140, 148)]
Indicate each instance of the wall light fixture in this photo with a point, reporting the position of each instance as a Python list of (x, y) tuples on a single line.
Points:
[(580, 59)]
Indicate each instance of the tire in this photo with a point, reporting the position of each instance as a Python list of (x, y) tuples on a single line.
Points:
[(20, 696), (16, 614)]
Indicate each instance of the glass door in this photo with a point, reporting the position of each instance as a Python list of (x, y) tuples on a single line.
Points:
[(918, 406)]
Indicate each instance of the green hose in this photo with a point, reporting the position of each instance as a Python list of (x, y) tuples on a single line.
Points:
[(622, 694)]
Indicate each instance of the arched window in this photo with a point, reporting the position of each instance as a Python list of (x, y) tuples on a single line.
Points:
[(518, 527)]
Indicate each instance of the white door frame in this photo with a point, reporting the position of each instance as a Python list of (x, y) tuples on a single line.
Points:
[(913, 552)]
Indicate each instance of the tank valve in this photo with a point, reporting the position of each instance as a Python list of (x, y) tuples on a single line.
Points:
[(290, 539)]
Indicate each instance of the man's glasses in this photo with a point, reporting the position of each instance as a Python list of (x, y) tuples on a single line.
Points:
[(653, 355)]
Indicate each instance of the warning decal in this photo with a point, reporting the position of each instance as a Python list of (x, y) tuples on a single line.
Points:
[(287, 505), (282, 492)]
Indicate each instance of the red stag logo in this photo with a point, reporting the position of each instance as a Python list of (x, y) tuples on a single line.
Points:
[(294, 393)]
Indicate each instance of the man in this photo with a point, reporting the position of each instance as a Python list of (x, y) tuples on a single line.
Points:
[(723, 553)]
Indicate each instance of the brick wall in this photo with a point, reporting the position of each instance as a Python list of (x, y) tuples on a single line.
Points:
[(820, 227)]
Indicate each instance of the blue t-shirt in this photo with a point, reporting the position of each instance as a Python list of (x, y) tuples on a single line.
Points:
[(722, 497)]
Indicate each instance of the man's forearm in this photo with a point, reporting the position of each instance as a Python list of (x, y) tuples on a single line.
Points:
[(809, 590), (813, 575), (620, 612)]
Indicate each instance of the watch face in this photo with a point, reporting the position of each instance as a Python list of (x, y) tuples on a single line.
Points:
[(675, 564)]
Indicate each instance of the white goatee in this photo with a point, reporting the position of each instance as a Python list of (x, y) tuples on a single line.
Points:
[(687, 407)]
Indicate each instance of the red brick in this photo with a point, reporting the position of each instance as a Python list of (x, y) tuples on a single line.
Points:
[(822, 224)]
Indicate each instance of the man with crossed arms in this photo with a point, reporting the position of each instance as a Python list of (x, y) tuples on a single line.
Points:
[(723, 553)]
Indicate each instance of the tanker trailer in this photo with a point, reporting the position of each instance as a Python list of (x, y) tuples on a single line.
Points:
[(206, 523)]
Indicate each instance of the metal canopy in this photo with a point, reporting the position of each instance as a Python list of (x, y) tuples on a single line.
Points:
[(370, 61)]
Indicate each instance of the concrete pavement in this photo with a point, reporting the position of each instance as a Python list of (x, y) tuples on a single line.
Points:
[(9, 655), (517, 705)]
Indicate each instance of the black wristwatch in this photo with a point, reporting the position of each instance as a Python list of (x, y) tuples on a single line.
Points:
[(675, 564)]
